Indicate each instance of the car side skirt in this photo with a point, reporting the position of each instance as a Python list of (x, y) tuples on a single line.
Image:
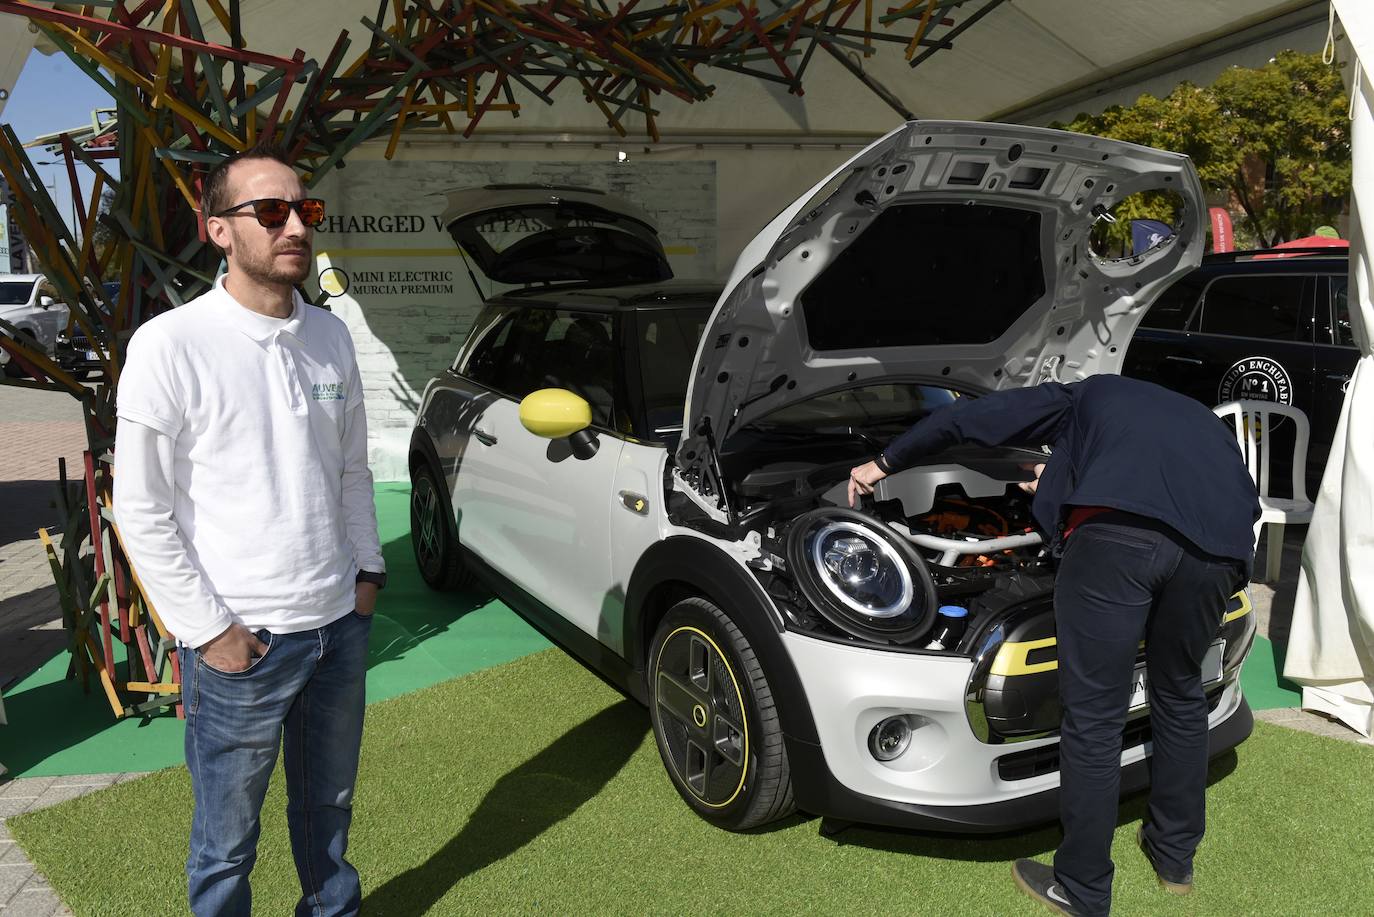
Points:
[(593, 655)]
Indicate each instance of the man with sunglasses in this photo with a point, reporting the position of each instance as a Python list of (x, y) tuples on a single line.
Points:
[(245, 503)]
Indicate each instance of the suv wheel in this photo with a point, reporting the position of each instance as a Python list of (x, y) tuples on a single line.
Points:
[(714, 719), (432, 536)]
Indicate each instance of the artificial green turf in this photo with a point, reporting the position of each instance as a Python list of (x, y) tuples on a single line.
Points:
[(534, 787), (419, 638)]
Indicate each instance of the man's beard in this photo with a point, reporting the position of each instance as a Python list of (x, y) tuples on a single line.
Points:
[(263, 267)]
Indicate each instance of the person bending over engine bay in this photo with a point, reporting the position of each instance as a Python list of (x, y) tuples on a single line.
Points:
[(1150, 512)]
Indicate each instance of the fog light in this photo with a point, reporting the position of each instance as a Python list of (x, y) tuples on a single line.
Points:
[(889, 738)]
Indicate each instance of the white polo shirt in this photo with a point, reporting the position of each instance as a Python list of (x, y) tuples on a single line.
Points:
[(241, 483)]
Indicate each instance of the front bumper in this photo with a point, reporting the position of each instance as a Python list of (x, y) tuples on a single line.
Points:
[(947, 780)]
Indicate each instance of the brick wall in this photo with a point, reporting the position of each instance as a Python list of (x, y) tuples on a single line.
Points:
[(405, 293)]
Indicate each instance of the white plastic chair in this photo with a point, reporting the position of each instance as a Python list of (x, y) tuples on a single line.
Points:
[(1251, 419)]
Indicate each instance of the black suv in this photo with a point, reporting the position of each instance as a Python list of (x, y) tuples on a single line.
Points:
[(1261, 326)]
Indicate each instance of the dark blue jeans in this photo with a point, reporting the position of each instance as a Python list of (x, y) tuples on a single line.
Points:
[(305, 694), (1119, 584)]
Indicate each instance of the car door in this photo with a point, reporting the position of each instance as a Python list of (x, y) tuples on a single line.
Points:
[(529, 508), (1163, 350), (1254, 337), (1335, 355)]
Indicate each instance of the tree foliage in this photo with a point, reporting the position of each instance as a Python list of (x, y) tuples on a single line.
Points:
[(1274, 139)]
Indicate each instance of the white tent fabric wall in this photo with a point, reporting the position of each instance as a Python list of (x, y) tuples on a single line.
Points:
[(1331, 646)]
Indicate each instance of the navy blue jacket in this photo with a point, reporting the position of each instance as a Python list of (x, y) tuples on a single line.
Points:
[(1117, 442)]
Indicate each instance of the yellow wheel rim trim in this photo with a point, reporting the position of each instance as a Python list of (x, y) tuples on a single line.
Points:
[(744, 717)]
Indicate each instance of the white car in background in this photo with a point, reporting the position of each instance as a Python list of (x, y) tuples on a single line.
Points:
[(653, 472), (27, 304)]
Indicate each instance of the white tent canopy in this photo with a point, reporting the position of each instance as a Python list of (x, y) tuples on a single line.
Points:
[(1331, 647), (1028, 61)]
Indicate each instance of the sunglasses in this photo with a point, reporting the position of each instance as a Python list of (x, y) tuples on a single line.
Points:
[(273, 212)]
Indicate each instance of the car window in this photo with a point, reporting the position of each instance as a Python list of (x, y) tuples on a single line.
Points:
[(530, 349), (1173, 308), (486, 362), (577, 354), (1340, 307), (1258, 307), (14, 294), (667, 348)]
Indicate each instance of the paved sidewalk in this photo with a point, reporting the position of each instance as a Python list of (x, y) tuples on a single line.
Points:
[(23, 892), (36, 428)]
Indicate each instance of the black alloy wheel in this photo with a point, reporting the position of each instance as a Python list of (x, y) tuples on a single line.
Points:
[(432, 536), (714, 719)]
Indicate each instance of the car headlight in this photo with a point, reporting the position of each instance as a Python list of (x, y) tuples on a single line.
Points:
[(861, 575)]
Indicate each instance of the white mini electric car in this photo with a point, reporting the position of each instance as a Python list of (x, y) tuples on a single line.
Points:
[(653, 472)]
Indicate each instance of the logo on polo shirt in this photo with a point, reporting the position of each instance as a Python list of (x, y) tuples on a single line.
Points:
[(328, 391)]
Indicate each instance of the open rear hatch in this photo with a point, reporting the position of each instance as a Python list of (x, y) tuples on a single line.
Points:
[(523, 234)]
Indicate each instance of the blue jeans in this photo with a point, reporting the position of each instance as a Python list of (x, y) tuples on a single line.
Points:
[(306, 693)]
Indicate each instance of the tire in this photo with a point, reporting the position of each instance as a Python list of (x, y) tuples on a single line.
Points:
[(432, 535), (714, 719)]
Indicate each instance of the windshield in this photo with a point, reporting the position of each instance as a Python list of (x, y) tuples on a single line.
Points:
[(14, 294), (882, 407)]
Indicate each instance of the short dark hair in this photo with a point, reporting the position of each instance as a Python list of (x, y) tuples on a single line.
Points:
[(214, 195)]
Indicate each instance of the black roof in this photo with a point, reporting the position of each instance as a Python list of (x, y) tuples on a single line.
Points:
[(667, 294)]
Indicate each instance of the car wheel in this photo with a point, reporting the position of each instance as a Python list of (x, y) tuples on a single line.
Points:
[(714, 719), (432, 536)]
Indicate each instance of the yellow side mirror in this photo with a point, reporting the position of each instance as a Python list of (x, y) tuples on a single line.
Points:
[(554, 413)]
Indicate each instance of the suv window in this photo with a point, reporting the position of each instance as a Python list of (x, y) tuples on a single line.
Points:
[(1340, 306), (1258, 307), (1173, 308), (531, 349), (667, 347)]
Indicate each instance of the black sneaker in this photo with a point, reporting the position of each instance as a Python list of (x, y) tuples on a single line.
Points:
[(1038, 881), (1174, 886)]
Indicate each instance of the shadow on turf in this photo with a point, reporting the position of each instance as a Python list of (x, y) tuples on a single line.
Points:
[(522, 805), (1000, 847)]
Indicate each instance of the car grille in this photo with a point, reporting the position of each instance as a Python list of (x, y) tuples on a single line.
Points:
[(1036, 762)]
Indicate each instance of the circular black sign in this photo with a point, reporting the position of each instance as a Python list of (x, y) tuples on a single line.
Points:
[(1256, 379)]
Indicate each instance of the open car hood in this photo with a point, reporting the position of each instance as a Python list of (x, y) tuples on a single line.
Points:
[(955, 253), (553, 234)]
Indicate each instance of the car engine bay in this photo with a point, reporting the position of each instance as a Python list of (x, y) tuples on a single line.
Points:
[(954, 531)]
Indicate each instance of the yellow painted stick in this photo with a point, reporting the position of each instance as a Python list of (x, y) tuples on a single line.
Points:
[(152, 687), (97, 659)]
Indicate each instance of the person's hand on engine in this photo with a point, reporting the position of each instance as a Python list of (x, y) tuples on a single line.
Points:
[(1029, 486), (862, 479)]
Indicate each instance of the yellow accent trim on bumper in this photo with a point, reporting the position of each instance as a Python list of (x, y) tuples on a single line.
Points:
[(1012, 657), (1240, 612)]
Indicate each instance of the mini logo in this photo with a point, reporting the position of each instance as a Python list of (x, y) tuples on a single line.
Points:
[(1256, 379), (328, 391)]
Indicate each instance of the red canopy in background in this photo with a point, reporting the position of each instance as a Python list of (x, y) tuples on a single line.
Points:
[(1307, 242)]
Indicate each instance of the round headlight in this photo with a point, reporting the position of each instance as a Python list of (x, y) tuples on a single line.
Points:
[(861, 575), (861, 571)]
